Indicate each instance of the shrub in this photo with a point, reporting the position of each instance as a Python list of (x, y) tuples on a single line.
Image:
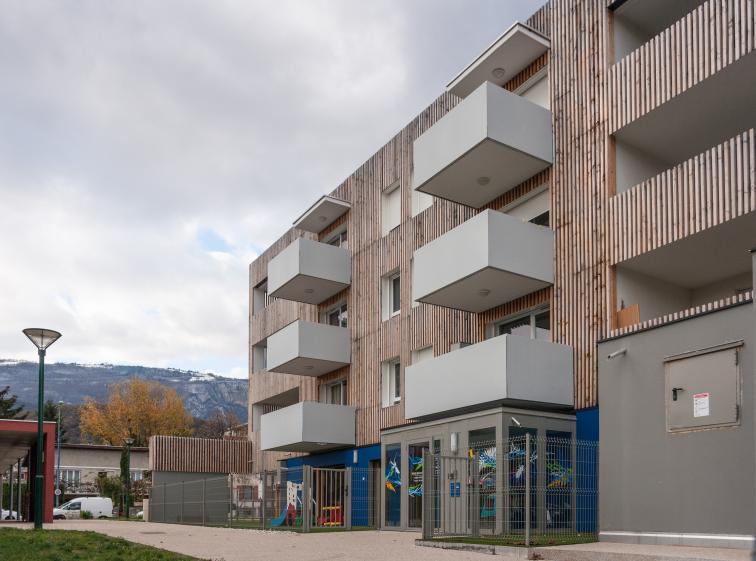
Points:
[(86, 515)]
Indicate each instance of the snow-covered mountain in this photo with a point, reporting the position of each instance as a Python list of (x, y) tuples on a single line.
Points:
[(203, 393)]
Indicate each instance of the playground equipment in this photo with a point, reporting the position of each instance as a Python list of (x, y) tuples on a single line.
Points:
[(292, 515)]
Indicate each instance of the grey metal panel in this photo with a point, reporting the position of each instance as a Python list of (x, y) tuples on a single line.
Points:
[(492, 133), (484, 262), (308, 426), (503, 369), (703, 390), (308, 349), (653, 480), (309, 271)]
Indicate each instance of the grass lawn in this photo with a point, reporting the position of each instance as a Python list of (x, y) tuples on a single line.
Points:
[(518, 540), (65, 545)]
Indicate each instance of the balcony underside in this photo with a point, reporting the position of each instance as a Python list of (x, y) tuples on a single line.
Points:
[(484, 290), (309, 289), (306, 366), (506, 167)]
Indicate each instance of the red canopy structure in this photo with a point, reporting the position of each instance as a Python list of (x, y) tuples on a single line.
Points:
[(19, 439)]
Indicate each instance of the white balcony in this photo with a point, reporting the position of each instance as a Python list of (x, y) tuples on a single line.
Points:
[(308, 349), (308, 426), (509, 369), (487, 261), (309, 271), (489, 143)]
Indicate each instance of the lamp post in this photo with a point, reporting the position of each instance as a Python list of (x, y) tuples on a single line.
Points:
[(42, 338), (129, 442), (57, 469)]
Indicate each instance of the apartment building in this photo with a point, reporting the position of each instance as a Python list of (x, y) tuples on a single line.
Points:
[(558, 245)]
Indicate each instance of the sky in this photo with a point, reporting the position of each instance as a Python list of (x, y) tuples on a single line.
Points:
[(149, 151)]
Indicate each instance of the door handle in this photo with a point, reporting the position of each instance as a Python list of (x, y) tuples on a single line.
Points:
[(674, 393)]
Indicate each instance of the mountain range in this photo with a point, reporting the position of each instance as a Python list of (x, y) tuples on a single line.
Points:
[(203, 393)]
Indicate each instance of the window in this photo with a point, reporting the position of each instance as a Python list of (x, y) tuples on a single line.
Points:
[(420, 355), (136, 475), (391, 382), (334, 393), (395, 295), (391, 209), (70, 476), (259, 358), (536, 89), (391, 295), (260, 298), (339, 240), (420, 201), (534, 325), (337, 316), (534, 207)]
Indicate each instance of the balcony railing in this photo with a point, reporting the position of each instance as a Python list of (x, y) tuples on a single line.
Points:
[(308, 349), (489, 143), (309, 271), (508, 369), (487, 261), (308, 426)]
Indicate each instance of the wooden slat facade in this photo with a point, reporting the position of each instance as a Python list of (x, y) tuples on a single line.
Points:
[(703, 42), (700, 193), (594, 229), (200, 455)]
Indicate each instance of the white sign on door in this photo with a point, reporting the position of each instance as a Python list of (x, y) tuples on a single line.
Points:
[(701, 404)]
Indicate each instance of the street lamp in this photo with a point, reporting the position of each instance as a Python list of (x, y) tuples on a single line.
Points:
[(57, 470), (129, 442), (42, 338)]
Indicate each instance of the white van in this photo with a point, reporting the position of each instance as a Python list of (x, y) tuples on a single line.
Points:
[(100, 507)]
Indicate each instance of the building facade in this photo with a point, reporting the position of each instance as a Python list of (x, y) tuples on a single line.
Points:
[(585, 186), (82, 464)]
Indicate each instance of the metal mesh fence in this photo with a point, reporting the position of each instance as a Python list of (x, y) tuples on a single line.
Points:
[(527, 490), (296, 499)]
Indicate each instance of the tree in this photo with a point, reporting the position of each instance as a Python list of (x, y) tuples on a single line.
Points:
[(216, 425), (138, 409), (8, 407), (50, 413)]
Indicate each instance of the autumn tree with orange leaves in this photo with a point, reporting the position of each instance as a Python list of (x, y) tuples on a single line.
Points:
[(137, 409)]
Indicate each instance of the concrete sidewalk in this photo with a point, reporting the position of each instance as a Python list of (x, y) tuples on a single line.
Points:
[(229, 544), (604, 551)]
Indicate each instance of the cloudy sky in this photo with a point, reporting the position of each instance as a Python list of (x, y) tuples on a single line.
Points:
[(150, 150)]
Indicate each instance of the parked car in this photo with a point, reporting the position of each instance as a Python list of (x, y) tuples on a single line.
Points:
[(8, 514), (100, 507)]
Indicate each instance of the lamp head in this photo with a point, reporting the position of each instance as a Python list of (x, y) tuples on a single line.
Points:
[(128, 441), (42, 338)]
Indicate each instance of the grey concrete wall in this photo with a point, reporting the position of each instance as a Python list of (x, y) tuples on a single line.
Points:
[(507, 367), (652, 480)]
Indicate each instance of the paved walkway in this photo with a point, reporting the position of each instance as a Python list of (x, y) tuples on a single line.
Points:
[(253, 545), (225, 544)]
